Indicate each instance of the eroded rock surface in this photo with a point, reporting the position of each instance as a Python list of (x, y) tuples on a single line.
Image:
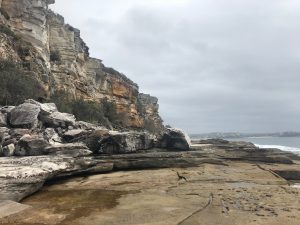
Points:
[(57, 56), (210, 193)]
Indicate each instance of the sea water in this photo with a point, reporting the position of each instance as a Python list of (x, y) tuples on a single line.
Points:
[(290, 144)]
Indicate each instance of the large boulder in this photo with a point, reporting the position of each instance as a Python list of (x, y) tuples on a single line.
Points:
[(31, 145), (24, 116), (58, 119), (46, 108), (92, 139), (104, 142), (125, 142), (175, 139)]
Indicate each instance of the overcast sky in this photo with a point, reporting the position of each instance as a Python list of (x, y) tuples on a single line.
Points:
[(215, 65)]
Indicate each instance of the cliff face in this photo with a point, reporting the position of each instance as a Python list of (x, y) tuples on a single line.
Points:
[(60, 59)]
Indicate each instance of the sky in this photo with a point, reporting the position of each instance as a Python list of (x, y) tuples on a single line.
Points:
[(215, 65)]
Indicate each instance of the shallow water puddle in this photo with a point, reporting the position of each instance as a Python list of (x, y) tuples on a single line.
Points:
[(69, 205)]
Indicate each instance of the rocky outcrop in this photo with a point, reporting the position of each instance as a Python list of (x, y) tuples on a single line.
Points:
[(58, 119), (58, 57), (148, 108), (112, 142), (86, 77), (118, 143), (175, 139), (22, 176), (36, 129), (29, 20)]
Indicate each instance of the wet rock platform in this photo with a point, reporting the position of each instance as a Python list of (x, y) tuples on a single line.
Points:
[(231, 183)]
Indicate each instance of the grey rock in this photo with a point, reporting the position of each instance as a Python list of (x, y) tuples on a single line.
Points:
[(88, 126), (9, 150), (33, 145), (104, 142), (72, 134), (9, 141), (175, 139), (58, 119), (23, 176), (70, 149), (4, 135), (3, 120), (126, 142), (24, 116), (52, 136), (92, 139), (18, 133), (6, 109), (46, 108)]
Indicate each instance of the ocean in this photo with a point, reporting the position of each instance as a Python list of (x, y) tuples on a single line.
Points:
[(291, 144)]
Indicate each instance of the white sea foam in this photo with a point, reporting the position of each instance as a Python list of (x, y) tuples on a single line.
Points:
[(283, 148)]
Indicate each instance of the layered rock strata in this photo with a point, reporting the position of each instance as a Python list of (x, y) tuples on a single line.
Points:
[(60, 60)]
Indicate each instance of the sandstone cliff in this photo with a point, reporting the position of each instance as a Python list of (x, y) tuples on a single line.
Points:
[(57, 56)]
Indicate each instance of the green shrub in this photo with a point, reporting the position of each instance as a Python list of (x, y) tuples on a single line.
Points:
[(20, 46), (55, 56), (109, 110), (103, 113), (6, 30), (23, 48), (87, 111), (17, 86), (63, 101), (117, 73)]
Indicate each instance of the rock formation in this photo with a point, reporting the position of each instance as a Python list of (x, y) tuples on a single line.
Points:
[(59, 59), (34, 129)]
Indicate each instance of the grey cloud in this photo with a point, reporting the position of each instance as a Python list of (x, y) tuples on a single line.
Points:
[(214, 65)]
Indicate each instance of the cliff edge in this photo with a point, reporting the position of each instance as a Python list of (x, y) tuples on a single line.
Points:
[(42, 44)]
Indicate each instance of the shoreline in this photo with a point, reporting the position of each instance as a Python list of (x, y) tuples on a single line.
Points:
[(269, 162)]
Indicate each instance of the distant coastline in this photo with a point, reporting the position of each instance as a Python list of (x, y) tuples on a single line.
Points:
[(227, 135)]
